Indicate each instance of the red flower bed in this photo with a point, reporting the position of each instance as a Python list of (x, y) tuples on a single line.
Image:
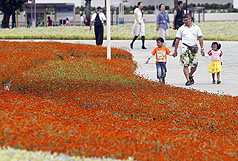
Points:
[(89, 106)]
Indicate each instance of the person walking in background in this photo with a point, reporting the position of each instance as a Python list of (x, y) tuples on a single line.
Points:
[(67, 23), (49, 22), (163, 22), (161, 53), (216, 62), (81, 19), (178, 18), (139, 26), (98, 19), (188, 34)]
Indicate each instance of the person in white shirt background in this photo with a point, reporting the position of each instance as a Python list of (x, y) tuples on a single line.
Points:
[(81, 19), (188, 34), (98, 19), (139, 26)]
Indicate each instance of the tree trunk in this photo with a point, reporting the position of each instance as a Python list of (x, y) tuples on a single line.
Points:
[(88, 11), (6, 18), (13, 19), (175, 4)]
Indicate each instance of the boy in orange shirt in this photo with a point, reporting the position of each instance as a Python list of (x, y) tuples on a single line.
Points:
[(161, 53)]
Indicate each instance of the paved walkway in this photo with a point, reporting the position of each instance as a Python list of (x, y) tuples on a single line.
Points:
[(175, 76)]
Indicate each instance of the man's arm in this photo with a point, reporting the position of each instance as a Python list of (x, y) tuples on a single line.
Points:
[(91, 23), (157, 23), (147, 61), (104, 18), (137, 19), (174, 23), (168, 20), (176, 47), (175, 13), (157, 27), (201, 44)]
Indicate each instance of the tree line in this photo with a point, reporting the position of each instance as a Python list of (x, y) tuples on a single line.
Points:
[(9, 8), (212, 5)]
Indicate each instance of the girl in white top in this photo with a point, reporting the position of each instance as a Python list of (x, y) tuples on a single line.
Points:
[(139, 26)]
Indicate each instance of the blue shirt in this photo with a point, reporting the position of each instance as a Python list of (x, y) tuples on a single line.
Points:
[(163, 20)]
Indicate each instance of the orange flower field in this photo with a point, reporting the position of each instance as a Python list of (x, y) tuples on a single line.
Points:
[(69, 98)]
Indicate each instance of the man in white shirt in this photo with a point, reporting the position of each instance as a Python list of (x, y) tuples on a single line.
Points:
[(189, 33), (81, 19), (98, 19)]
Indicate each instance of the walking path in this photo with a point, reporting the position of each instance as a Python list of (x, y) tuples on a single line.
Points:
[(175, 76)]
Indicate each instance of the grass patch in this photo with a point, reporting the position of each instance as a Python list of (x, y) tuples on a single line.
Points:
[(220, 31)]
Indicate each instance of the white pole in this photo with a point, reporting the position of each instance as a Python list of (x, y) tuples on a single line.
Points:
[(35, 20), (31, 13), (156, 10), (235, 3), (108, 30)]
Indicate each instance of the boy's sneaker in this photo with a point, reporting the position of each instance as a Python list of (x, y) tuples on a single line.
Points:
[(218, 81), (188, 83), (191, 79), (213, 82)]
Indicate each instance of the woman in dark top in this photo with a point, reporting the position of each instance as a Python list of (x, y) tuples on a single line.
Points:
[(178, 18)]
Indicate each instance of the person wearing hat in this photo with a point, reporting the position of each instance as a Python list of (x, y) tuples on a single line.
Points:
[(98, 19)]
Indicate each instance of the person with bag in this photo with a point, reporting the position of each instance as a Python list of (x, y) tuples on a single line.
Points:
[(98, 19), (178, 18), (188, 34)]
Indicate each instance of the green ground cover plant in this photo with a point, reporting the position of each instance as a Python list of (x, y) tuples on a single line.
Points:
[(220, 31)]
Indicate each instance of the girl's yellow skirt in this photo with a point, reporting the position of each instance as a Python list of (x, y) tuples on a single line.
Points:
[(214, 67)]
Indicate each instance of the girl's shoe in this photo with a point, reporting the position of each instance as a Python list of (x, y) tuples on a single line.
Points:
[(143, 47), (218, 81), (213, 82)]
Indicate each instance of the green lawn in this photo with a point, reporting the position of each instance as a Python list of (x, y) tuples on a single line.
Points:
[(227, 31)]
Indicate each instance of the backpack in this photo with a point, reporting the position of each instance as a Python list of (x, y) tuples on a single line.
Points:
[(97, 21)]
